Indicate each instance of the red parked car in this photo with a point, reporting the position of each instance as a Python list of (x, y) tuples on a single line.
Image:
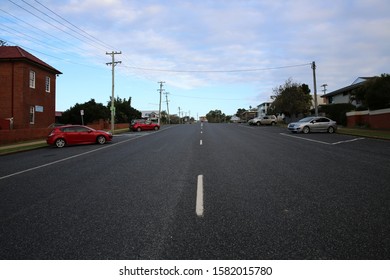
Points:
[(77, 134), (141, 124)]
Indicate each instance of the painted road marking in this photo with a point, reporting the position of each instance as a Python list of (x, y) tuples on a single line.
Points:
[(321, 142), (201, 142), (199, 197), (110, 145)]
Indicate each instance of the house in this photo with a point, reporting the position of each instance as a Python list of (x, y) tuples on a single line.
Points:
[(27, 91), (247, 115), (262, 109), (343, 95), (149, 114)]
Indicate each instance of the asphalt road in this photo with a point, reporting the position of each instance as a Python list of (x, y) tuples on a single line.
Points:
[(210, 191)]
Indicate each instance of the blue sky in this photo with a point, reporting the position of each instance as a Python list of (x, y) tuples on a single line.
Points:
[(211, 55)]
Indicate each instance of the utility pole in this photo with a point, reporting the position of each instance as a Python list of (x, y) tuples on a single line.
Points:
[(113, 63), (179, 116), (159, 108), (324, 86), (166, 98), (313, 66)]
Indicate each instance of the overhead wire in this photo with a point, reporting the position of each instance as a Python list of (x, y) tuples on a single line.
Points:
[(90, 37), (219, 71), (87, 38)]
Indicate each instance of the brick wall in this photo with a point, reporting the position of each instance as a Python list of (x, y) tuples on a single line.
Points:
[(18, 135), (378, 119), (17, 97)]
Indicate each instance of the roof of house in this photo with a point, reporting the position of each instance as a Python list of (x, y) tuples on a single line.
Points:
[(17, 53), (357, 83)]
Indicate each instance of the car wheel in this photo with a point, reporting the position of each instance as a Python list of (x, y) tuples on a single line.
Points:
[(258, 123), (60, 143), (101, 139), (156, 128), (139, 129), (273, 123), (306, 130), (330, 129)]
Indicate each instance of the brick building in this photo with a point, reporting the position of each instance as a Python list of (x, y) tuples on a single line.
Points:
[(27, 90)]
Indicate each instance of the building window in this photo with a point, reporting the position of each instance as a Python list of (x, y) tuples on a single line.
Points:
[(47, 84), (32, 114), (32, 79)]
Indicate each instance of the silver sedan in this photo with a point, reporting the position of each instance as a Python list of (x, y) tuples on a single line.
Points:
[(313, 124)]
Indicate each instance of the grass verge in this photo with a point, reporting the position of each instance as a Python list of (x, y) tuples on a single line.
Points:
[(370, 133)]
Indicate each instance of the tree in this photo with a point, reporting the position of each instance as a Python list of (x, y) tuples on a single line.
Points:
[(240, 112), (374, 93), (291, 99), (215, 116), (92, 112), (124, 113)]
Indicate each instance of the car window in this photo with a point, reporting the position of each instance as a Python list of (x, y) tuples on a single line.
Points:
[(306, 119), (322, 120), (68, 129), (82, 129)]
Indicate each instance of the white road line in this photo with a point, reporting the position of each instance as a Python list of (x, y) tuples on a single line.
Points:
[(346, 141), (201, 142), (199, 197), (68, 158), (307, 139), (321, 142)]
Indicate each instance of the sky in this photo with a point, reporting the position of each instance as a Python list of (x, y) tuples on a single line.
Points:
[(210, 54)]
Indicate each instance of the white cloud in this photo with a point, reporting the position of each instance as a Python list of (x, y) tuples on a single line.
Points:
[(346, 39)]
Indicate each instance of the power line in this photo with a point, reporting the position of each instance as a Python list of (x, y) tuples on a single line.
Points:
[(219, 71), (207, 98), (91, 36), (54, 26), (36, 28)]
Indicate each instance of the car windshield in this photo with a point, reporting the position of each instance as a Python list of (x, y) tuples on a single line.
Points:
[(308, 119)]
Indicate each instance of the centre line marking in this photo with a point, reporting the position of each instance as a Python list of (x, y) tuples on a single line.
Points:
[(201, 142), (199, 197)]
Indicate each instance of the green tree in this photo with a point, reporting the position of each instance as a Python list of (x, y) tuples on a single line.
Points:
[(124, 113), (215, 116), (375, 93), (291, 99), (240, 111), (92, 112)]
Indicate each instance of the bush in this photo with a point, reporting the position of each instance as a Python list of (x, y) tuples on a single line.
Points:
[(337, 112)]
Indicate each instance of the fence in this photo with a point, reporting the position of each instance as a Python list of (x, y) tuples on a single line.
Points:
[(378, 119)]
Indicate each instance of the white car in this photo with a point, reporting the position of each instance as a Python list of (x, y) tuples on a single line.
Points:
[(313, 124), (265, 120)]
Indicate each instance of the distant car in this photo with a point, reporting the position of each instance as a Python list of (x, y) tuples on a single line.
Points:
[(77, 134), (313, 124), (141, 124), (264, 120)]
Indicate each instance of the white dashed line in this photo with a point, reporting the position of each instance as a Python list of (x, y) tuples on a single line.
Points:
[(321, 142), (199, 197)]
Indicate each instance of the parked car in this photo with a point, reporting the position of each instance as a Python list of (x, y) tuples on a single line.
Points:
[(141, 124), (77, 134), (313, 124), (264, 120)]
